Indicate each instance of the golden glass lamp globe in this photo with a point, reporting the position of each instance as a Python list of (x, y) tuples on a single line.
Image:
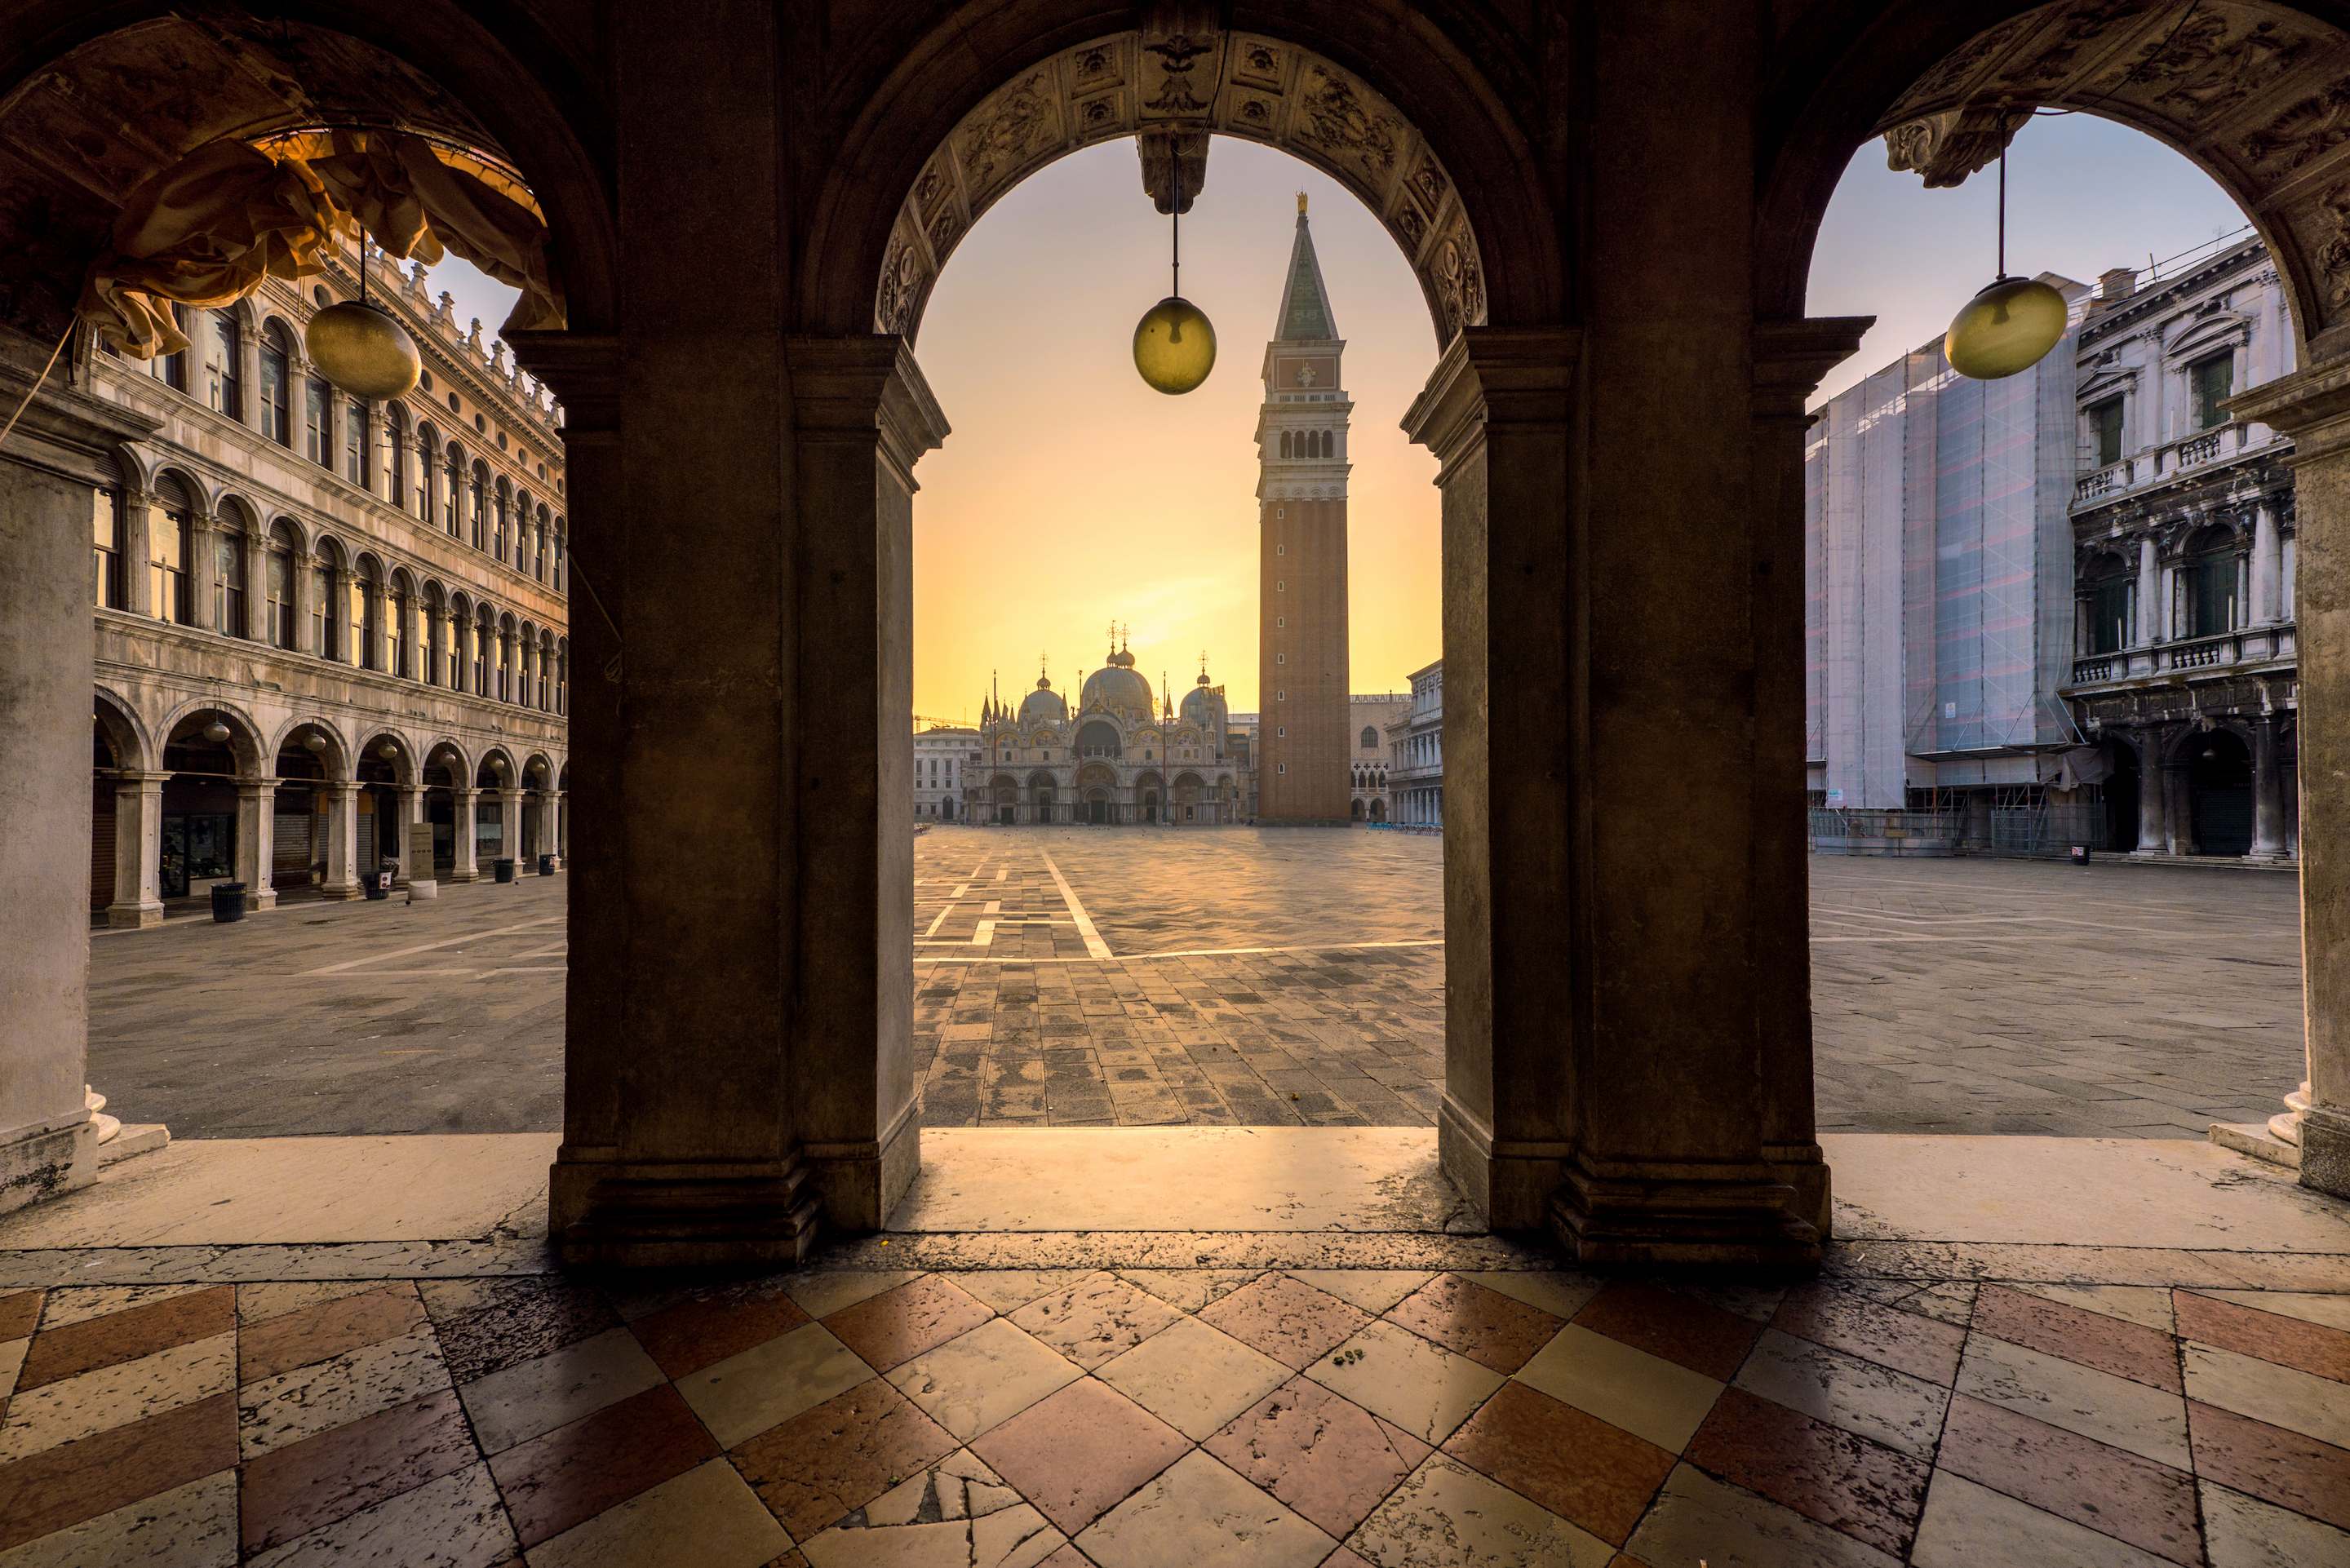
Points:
[(1174, 346), (363, 351), (2007, 327)]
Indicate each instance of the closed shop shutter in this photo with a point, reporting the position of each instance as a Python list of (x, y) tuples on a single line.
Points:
[(367, 838), (101, 845), (289, 855)]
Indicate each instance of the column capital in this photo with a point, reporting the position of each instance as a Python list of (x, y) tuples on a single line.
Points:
[(862, 387), (1792, 354), (2312, 406), (584, 369), (1519, 376), (65, 431)]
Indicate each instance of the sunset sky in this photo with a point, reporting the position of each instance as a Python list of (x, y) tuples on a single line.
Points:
[(1070, 494)]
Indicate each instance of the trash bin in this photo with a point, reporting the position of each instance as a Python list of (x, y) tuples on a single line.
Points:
[(228, 901), (378, 885), (2080, 855), (547, 865), (505, 869)]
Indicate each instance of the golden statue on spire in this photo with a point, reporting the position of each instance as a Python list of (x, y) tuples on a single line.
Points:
[(1301, 203)]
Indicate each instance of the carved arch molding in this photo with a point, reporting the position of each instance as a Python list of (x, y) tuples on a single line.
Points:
[(2258, 93), (1174, 91)]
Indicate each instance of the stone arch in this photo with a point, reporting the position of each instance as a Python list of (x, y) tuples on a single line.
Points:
[(134, 750), (447, 753), (245, 735), (405, 768), (337, 759), (1420, 135), (488, 773), (2246, 89)]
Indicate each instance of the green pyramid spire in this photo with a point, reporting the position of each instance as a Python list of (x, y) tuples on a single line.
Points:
[(1305, 315)]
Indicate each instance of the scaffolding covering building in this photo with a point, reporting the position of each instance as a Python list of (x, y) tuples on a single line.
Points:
[(1938, 582)]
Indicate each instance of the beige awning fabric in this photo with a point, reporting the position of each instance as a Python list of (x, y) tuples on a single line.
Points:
[(206, 230)]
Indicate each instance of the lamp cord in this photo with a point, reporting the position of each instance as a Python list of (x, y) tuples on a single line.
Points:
[(2001, 269), (37, 381), (1175, 223)]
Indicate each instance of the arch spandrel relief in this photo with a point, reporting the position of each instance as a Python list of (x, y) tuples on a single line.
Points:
[(1172, 92)]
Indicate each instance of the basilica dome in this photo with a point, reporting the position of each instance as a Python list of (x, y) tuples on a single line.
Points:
[(1119, 688), (1043, 705), (1204, 706)]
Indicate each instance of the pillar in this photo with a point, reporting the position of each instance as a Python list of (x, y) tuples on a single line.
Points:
[(465, 866), (550, 825), (2268, 791), (2312, 406), (510, 825), (137, 851), (138, 584), (343, 869), (256, 820), (2178, 803), (54, 460), (411, 813), (248, 371), (2153, 808), (256, 586), (202, 569)]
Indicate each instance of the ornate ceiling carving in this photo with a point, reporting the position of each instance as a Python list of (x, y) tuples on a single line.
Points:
[(2258, 94), (1170, 91)]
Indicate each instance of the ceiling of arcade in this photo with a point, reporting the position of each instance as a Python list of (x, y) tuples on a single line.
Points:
[(1186, 87), (2258, 94), (76, 137)]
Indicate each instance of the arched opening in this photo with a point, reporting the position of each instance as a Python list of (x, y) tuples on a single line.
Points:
[(2124, 780), (386, 777), (315, 839), (2220, 794), (494, 829), (449, 807)]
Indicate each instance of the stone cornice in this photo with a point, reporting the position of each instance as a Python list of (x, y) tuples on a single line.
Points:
[(63, 430), (2312, 406), (1525, 376), (1790, 357), (584, 369), (863, 387)]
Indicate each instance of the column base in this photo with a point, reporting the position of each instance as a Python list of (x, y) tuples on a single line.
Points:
[(607, 1212), (859, 1183), (333, 894), (464, 876), (47, 1159), (1805, 1167), (258, 899), (134, 917), (1683, 1216), (2326, 1150), (1508, 1182)]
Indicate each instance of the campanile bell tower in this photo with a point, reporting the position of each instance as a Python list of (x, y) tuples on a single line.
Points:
[(1303, 753)]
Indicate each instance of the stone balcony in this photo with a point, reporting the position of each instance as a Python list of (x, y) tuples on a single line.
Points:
[(2263, 647), (2223, 444)]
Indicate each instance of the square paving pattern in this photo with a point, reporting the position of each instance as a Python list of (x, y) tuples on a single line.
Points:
[(1329, 1418)]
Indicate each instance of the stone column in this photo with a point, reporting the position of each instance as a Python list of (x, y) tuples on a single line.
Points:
[(411, 812), (202, 569), (256, 585), (465, 866), (510, 825), (2178, 804), (2149, 607), (2153, 809), (2268, 791), (2312, 406), (256, 825), (58, 454), (337, 424), (550, 825), (137, 851), (343, 869), (248, 373), (1790, 357), (138, 579)]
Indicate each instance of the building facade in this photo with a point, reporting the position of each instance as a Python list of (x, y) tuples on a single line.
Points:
[(1118, 757), (1371, 717), (943, 756), (1307, 746), (1416, 752), (2184, 674), (317, 620)]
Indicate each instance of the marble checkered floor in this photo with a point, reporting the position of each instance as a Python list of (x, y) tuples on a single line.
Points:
[(1009, 1419)]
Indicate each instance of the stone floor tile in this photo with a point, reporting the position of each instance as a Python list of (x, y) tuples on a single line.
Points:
[(559, 1479), (1970, 1526), (1415, 1383), (984, 1378), (1324, 1456), (1194, 1377), (1952, 1301), (1650, 1397), (898, 1325), (2130, 1350), (292, 1490), (1065, 1557), (2334, 1311), (1373, 1290), (1009, 1290), (823, 1292), (2146, 1304), (257, 1303), (1892, 1407), (1556, 1291), (454, 1521), (74, 1408), (956, 1513), (1078, 1453), (706, 1518), (2151, 1506), (20, 1314), (115, 1467), (1198, 1511), (1835, 1478), (518, 1402), (1285, 1318), (745, 1394), (685, 1335), (1905, 1341), (190, 1526), (1697, 1517), (2063, 1392), (837, 1456), (71, 1305), (1673, 1324), (2240, 1531), (1578, 1466), (1446, 1515), (2273, 1464), (275, 1411), (1094, 1318), (1488, 1327), (89, 1344), (12, 1360), (325, 1329), (488, 1324), (2288, 1341)]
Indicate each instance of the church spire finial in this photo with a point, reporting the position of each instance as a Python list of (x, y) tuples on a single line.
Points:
[(1301, 203)]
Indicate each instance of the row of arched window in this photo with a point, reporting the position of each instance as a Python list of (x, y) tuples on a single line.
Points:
[(1370, 776), (423, 472), (322, 600), (2209, 582), (1309, 444)]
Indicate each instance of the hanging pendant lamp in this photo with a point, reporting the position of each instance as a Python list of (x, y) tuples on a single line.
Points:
[(2013, 322), (358, 346), (1174, 345)]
